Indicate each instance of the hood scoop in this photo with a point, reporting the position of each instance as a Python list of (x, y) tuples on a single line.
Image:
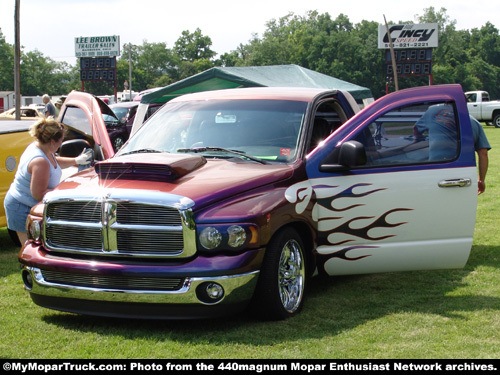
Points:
[(149, 167)]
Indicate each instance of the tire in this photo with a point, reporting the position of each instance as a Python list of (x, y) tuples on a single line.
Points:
[(118, 143), (496, 120), (282, 282), (14, 237)]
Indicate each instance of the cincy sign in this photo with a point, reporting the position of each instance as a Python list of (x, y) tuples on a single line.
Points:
[(409, 36)]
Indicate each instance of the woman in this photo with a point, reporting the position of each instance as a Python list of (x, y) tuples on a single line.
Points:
[(39, 171)]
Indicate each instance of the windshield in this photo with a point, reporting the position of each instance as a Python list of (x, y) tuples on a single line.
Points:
[(121, 112), (267, 130)]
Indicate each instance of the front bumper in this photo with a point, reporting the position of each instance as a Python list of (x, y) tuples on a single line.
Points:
[(237, 279)]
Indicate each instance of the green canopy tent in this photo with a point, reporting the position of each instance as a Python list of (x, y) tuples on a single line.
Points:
[(254, 76)]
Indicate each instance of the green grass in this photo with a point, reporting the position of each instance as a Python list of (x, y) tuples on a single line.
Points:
[(434, 314)]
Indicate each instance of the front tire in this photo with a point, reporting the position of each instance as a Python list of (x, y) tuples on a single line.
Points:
[(282, 281), (118, 143)]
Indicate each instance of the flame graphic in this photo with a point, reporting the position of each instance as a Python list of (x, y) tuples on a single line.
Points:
[(347, 193), (330, 204), (380, 222)]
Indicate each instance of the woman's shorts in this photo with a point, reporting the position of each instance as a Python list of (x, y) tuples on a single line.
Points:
[(16, 213)]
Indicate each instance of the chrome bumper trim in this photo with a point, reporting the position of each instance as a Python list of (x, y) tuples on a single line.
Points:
[(237, 288)]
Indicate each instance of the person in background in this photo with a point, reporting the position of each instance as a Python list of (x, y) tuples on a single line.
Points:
[(39, 172), (482, 146), (58, 105), (439, 122), (49, 110)]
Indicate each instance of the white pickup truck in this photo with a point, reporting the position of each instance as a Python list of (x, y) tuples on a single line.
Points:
[(482, 108)]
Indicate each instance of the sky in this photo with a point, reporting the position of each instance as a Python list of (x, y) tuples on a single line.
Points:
[(50, 26)]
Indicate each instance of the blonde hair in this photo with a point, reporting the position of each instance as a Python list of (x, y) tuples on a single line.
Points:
[(47, 129)]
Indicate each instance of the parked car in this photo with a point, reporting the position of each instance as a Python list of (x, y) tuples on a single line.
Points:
[(482, 108), (27, 113), (125, 112), (14, 139), (231, 198)]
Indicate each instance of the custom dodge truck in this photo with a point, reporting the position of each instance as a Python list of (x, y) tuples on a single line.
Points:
[(482, 109), (231, 198)]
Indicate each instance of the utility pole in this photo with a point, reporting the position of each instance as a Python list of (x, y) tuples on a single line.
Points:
[(130, 70), (17, 61), (394, 68)]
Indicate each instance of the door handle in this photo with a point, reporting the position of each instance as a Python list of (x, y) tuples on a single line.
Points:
[(456, 182)]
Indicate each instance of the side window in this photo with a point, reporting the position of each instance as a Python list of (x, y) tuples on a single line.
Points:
[(471, 98), (151, 111), (329, 117), (418, 134)]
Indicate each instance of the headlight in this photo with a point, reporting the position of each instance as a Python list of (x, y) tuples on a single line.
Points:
[(227, 236), (34, 230), (237, 236), (210, 238)]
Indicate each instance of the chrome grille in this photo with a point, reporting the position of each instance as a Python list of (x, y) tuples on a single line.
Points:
[(76, 211), (147, 241), (158, 225), (130, 213), (74, 238), (113, 282)]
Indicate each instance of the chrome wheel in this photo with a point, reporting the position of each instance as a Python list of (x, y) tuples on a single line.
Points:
[(118, 143), (283, 278), (291, 275)]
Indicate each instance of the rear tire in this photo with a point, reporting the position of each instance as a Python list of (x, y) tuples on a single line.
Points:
[(281, 287), (496, 120)]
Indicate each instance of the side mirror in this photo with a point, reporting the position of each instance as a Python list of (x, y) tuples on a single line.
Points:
[(350, 154), (73, 148)]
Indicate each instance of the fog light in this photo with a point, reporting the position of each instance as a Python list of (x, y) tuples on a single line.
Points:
[(214, 291), (27, 280), (210, 292), (210, 238), (237, 236)]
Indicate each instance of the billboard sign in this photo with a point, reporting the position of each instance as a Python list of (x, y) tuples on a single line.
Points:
[(96, 46), (423, 35)]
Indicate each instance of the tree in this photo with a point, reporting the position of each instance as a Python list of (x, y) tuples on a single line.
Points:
[(37, 74), (194, 46), (6, 65)]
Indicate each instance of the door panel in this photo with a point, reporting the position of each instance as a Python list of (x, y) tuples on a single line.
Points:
[(393, 221), (412, 205)]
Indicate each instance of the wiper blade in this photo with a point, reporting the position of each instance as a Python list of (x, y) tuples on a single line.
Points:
[(235, 152), (143, 151)]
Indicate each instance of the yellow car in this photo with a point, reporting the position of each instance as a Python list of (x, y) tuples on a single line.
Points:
[(14, 138), (27, 113)]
